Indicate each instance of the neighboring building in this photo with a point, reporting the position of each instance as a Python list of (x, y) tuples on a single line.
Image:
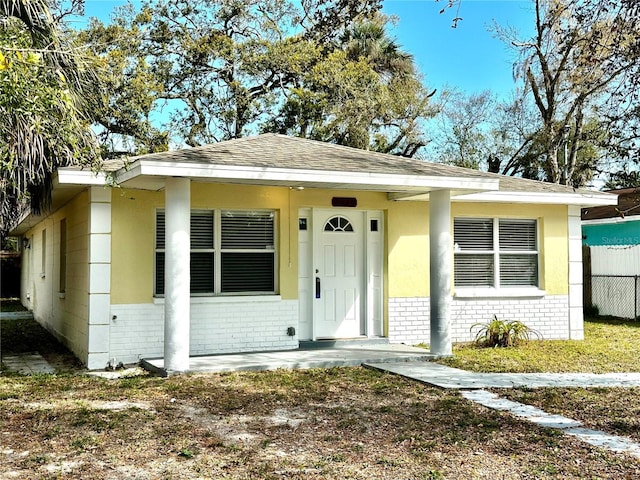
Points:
[(258, 243), (612, 225), (611, 236)]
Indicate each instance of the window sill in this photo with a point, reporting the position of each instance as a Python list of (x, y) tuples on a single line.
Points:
[(523, 292), (226, 299)]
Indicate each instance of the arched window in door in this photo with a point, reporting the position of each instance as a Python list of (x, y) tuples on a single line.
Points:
[(338, 224)]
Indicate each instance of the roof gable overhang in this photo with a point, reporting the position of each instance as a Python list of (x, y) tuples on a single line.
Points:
[(151, 175), (61, 193), (612, 220), (582, 198)]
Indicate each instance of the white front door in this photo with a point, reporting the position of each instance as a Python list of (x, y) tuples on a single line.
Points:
[(338, 263)]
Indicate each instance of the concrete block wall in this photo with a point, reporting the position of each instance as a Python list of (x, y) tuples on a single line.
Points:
[(224, 326), (99, 277), (63, 312), (409, 317), (576, 312)]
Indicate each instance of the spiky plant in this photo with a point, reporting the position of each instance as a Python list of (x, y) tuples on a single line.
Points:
[(503, 333)]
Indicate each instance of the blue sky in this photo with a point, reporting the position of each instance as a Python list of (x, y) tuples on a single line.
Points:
[(466, 57)]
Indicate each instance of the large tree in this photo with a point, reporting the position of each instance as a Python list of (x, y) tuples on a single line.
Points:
[(463, 132), (575, 113), (578, 68), (46, 93), (480, 131), (624, 178), (365, 94), (215, 70)]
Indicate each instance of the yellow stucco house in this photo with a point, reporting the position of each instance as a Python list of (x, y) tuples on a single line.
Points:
[(260, 243)]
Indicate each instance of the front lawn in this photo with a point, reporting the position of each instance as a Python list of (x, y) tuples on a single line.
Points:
[(610, 345), (314, 424), (323, 423)]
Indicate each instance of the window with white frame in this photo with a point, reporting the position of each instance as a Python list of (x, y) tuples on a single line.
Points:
[(495, 252), (232, 251)]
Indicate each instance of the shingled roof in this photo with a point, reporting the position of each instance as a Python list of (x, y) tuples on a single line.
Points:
[(286, 153), (281, 151)]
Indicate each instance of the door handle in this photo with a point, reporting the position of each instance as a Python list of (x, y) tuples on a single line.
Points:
[(317, 287)]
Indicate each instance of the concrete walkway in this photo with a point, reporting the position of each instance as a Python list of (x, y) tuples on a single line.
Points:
[(569, 426), (472, 388), (24, 363), (27, 364), (447, 377), (16, 316), (340, 355)]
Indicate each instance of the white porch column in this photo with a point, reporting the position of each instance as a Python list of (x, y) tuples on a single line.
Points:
[(177, 276), (440, 271)]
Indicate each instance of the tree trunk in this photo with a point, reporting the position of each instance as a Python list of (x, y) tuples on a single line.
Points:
[(553, 166)]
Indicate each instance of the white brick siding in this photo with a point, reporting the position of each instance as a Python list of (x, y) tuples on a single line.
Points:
[(239, 325), (409, 320), (229, 326), (409, 317), (548, 315)]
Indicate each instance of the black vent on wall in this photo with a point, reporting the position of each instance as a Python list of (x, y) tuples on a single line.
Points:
[(344, 202)]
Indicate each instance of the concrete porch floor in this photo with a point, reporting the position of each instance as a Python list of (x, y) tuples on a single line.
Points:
[(335, 356)]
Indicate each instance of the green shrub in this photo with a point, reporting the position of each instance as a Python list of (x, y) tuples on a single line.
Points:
[(503, 333)]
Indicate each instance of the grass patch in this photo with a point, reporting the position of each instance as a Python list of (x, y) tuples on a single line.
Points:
[(613, 410), (610, 345)]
